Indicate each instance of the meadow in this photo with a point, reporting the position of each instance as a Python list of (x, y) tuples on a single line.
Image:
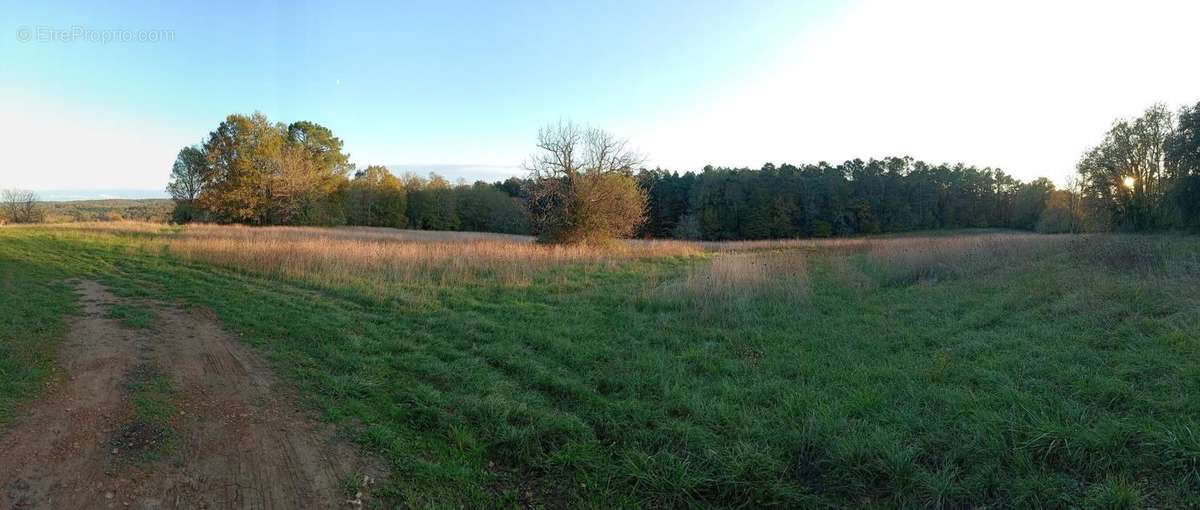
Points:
[(964, 369)]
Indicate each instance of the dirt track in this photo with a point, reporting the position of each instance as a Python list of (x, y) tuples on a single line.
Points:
[(236, 442)]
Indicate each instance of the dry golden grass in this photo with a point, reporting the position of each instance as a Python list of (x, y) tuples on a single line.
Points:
[(787, 244), (910, 259), (384, 257), (905, 259), (113, 227), (381, 258), (746, 272), (758, 281), (345, 234)]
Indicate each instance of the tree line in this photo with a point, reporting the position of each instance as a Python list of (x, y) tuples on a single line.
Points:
[(1144, 175), (585, 185), (252, 171), (822, 200)]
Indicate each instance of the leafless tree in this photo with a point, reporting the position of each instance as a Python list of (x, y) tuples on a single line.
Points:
[(569, 150), (583, 189), (20, 206)]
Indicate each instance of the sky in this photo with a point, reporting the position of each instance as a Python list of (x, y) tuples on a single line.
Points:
[(97, 98)]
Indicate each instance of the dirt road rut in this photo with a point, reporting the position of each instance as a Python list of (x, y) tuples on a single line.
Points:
[(232, 442)]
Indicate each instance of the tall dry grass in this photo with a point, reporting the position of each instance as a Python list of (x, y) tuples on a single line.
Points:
[(746, 273), (734, 272), (826, 245), (742, 285), (109, 227), (912, 259), (346, 234), (382, 258), (1166, 256)]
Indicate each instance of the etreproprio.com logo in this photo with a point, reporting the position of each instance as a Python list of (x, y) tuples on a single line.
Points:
[(86, 34)]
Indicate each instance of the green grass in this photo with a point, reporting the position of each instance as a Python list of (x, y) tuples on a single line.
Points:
[(1065, 380), (148, 433), (150, 393), (34, 302), (133, 315)]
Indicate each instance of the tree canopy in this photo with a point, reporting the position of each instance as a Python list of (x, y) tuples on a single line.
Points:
[(1145, 174), (822, 200), (376, 199), (586, 185)]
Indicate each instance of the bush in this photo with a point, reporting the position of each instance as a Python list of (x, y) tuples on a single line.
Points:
[(186, 212), (603, 207)]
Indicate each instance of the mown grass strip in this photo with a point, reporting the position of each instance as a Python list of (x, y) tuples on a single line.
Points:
[(34, 304)]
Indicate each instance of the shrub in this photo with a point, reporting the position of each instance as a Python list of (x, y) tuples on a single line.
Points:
[(603, 207)]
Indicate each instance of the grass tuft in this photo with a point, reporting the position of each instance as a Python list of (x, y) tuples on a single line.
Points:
[(133, 315), (148, 435)]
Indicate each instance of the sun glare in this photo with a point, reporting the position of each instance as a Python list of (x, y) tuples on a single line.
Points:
[(1129, 181)]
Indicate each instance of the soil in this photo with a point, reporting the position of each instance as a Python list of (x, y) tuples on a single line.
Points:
[(236, 439)]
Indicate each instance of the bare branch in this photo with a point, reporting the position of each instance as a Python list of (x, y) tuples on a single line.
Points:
[(20, 206)]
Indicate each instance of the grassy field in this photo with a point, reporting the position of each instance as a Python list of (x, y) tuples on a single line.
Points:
[(991, 369)]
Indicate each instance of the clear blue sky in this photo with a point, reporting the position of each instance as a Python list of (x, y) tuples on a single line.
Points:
[(463, 87)]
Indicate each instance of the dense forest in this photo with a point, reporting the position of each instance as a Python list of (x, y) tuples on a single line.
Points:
[(822, 200), (1144, 175)]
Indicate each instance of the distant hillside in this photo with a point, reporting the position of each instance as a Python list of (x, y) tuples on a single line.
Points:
[(71, 195), (152, 209)]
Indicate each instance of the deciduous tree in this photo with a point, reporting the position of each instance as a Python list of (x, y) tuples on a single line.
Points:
[(377, 199), (1183, 165), (264, 173), (187, 179), (582, 187), (20, 206), (1126, 172)]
